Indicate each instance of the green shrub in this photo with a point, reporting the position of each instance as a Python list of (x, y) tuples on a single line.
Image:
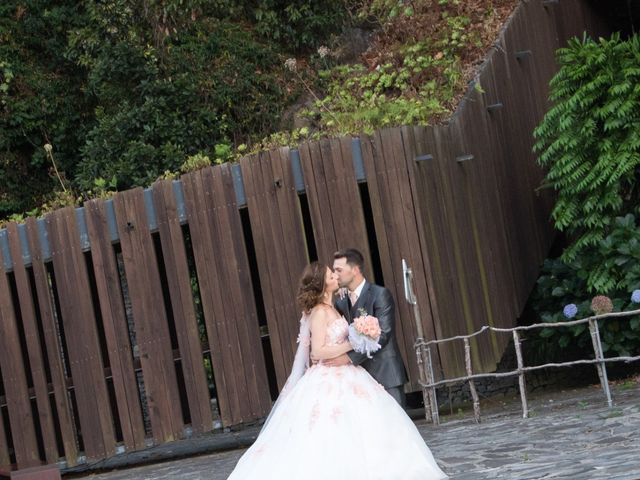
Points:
[(612, 268)]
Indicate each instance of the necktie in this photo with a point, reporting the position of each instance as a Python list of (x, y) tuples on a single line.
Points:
[(353, 296)]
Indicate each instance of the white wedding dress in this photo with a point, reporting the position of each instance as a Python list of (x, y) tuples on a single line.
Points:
[(337, 423)]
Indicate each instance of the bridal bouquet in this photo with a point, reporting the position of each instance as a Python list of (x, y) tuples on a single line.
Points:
[(364, 333)]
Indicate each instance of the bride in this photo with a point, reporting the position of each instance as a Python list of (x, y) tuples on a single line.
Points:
[(333, 422)]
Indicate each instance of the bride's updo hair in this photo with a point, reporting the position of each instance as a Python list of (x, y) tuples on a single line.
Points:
[(311, 286)]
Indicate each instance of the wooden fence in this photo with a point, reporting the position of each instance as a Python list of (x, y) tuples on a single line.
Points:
[(171, 310)]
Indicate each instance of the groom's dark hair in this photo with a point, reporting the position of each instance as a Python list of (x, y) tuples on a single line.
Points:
[(354, 257)]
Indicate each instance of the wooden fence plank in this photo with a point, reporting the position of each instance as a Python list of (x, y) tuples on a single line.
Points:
[(115, 325), (467, 222), (149, 316), (461, 319), (14, 379), (401, 228), (432, 194), (54, 352), (227, 339), (497, 154), (498, 89), (345, 201), (484, 214), (380, 193), (83, 346), (374, 185), (184, 314), (32, 342), (278, 231), (204, 249), (268, 181), (315, 184), (233, 270), (261, 207), (293, 242), (5, 460), (414, 145), (229, 310)]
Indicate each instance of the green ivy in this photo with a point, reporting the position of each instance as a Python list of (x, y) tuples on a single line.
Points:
[(419, 85)]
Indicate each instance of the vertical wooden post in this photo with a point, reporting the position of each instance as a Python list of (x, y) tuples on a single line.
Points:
[(521, 379), (433, 400), (601, 366), (423, 378), (472, 385)]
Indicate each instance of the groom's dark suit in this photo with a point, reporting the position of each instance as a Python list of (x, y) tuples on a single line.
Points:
[(386, 364)]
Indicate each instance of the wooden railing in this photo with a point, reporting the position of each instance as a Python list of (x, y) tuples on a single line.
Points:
[(429, 385)]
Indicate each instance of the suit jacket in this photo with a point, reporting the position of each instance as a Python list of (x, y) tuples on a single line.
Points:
[(386, 364)]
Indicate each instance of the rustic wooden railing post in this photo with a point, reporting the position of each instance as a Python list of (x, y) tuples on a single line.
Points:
[(431, 392), (423, 378), (472, 384), (521, 379), (601, 366)]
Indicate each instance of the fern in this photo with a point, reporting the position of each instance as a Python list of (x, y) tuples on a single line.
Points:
[(589, 141)]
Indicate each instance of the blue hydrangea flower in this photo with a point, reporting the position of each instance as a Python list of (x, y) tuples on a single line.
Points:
[(570, 310), (635, 296)]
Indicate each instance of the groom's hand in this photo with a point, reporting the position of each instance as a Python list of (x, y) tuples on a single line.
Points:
[(338, 361)]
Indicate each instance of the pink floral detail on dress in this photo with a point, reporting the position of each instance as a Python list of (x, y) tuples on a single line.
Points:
[(315, 413), (359, 391), (335, 413)]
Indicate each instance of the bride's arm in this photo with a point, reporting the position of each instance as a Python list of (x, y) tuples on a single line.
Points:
[(319, 321)]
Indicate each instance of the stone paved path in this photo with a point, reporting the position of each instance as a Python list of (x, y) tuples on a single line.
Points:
[(570, 435)]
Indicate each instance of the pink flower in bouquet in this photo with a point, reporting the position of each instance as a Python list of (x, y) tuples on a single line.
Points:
[(368, 325), (364, 333)]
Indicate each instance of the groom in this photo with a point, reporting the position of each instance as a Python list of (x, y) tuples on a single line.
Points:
[(386, 364)]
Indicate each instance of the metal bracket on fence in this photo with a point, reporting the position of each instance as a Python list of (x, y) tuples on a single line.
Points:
[(358, 163), (464, 158), (6, 253), (296, 168), (495, 106), (425, 157), (523, 54), (238, 185)]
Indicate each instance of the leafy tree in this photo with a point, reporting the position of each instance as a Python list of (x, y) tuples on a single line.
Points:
[(206, 84), (126, 89), (41, 100)]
